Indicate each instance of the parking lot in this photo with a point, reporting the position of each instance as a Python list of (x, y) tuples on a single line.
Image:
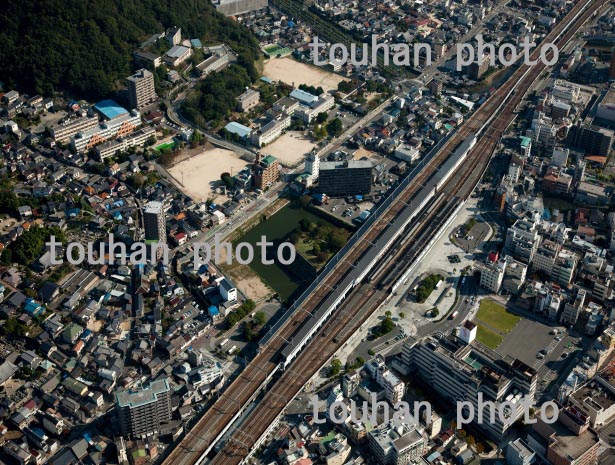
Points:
[(471, 239)]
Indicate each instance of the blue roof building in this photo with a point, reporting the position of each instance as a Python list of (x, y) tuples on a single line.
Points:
[(110, 109), (213, 310), (33, 308), (303, 97), (235, 128)]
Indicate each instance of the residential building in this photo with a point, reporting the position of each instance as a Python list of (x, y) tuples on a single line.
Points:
[(142, 412), (154, 221), (573, 309), (522, 240), (519, 453), (266, 171), (397, 445), (141, 89), (479, 67), (338, 179), (593, 139)]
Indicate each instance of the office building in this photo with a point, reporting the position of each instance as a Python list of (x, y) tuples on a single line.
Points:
[(460, 371), (559, 156), (140, 413), (518, 453), (612, 66), (565, 91), (312, 166), (239, 7), (141, 89), (435, 86), (338, 179), (154, 221), (266, 171), (397, 445), (573, 308)]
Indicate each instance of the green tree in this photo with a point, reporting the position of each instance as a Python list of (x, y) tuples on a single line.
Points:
[(335, 127), (260, 318), (336, 367)]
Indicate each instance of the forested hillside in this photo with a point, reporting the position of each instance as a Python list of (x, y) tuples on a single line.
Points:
[(84, 47)]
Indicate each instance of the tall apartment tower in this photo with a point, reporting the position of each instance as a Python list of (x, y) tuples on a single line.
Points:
[(155, 222), (141, 89), (140, 413)]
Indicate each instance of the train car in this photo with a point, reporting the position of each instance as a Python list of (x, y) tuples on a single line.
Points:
[(453, 161)]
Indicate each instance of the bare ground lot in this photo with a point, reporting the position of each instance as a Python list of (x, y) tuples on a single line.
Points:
[(293, 72), (290, 148), (201, 172)]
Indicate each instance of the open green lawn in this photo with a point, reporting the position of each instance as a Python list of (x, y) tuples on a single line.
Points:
[(496, 316), (488, 337)]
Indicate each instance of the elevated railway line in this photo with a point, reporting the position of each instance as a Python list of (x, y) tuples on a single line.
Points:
[(360, 299)]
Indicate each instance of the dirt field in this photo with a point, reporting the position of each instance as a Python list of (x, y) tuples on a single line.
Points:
[(202, 172), (294, 73), (290, 148)]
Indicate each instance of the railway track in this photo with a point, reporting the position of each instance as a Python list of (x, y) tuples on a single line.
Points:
[(361, 301)]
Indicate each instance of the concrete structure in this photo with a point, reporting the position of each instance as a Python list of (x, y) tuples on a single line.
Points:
[(479, 67), (117, 127), (248, 100), (266, 171), (396, 445), (593, 139), (68, 127), (522, 240), (407, 153), (140, 413), (559, 156), (518, 453), (307, 113), (136, 139), (270, 131), (154, 221), (177, 55), (565, 91), (312, 166), (460, 372), (338, 179), (141, 89)]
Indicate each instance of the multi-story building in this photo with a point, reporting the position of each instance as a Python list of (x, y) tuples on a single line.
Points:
[(479, 67), (593, 139), (266, 171), (154, 221), (312, 166), (141, 89), (248, 100), (522, 240), (136, 139), (397, 445), (141, 413), (338, 179), (461, 369), (565, 91), (394, 388), (68, 127), (543, 131), (271, 130), (435, 86), (559, 156), (492, 275), (518, 453), (119, 126), (573, 309), (564, 268), (545, 256), (308, 112)]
